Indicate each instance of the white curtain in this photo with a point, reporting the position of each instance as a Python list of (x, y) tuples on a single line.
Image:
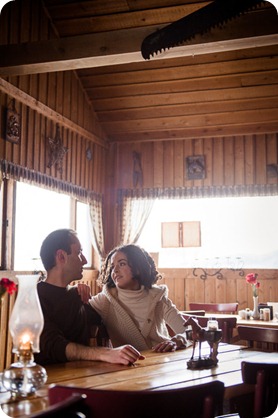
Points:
[(134, 216), (96, 224)]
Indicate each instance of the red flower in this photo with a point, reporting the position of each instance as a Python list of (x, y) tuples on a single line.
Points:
[(251, 278), (7, 285)]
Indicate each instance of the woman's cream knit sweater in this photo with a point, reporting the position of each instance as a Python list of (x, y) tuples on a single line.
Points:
[(122, 319)]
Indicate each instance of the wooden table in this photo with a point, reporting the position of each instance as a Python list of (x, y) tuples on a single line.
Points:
[(157, 371), (257, 323), (249, 322)]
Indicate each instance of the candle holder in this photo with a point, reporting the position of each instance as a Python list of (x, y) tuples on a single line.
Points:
[(24, 377)]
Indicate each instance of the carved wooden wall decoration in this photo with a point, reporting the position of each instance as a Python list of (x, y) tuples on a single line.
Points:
[(13, 124), (195, 167), (57, 151), (137, 170)]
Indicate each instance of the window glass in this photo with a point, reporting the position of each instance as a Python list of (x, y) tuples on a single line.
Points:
[(234, 231), (83, 231), (38, 212)]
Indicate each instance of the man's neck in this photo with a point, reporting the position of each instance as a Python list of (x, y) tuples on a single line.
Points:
[(56, 278)]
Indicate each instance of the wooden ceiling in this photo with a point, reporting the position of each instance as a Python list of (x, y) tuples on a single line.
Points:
[(224, 82)]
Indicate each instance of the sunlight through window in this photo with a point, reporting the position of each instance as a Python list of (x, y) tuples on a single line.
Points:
[(38, 212), (230, 228)]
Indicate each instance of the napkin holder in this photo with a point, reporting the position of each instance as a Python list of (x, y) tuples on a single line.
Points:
[(265, 305)]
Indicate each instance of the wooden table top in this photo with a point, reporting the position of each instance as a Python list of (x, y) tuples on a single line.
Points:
[(249, 322), (257, 323), (157, 371)]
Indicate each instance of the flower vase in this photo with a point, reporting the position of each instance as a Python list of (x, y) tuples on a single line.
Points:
[(256, 313)]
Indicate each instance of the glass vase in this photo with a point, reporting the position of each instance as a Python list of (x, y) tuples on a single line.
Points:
[(255, 312)]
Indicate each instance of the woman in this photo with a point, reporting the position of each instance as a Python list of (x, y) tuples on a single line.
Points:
[(134, 309)]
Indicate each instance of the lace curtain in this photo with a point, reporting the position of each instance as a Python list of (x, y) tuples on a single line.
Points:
[(96, 224), (135, 205), (134, 216), (17, 172)]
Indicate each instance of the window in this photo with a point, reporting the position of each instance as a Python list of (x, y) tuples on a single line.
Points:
[(38, 212), (231, 229)]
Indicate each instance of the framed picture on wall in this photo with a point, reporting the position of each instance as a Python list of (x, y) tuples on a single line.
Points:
[(13, 124), (195, 167)]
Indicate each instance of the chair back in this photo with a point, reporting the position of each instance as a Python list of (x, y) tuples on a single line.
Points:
[(200, 312), (226, 323), (202, 401), (263, 338), (228, 308), (6, 355), (265, 378)]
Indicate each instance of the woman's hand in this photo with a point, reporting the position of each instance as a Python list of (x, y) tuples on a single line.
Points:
[(164, 346), (84, 292)]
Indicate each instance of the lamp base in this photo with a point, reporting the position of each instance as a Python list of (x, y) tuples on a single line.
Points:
[(22, 380)]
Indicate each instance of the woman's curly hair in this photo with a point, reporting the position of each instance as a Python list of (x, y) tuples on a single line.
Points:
[(141, 263)]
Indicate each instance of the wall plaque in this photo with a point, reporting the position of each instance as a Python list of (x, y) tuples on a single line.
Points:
[(195, 167)]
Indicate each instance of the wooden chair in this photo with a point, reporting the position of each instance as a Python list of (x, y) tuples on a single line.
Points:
[(263, 338), (263, 401), (199, 312), (200, 401), (228, 308), (6, 355), (71, 407), (226, 323)]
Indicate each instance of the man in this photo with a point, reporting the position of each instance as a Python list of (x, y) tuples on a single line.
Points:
[(67, 320)]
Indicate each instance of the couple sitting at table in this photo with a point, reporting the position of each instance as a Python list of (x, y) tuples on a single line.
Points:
[(132, 307)]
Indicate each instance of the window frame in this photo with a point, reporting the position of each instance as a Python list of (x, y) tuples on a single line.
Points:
[(8, 196)]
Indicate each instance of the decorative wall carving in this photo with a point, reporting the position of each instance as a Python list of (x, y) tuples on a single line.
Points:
[(13, 124), (56, 151)]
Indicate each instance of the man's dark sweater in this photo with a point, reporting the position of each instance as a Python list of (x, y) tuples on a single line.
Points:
[(66, 319)]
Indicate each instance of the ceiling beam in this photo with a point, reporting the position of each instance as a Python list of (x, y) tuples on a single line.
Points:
[(124, 46)]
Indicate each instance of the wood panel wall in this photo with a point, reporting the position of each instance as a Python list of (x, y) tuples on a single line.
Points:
[(185, 288), (230, 161), (62, 94)]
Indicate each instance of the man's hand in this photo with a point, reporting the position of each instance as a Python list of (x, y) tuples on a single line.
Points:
[(84, 292), (126, 354)]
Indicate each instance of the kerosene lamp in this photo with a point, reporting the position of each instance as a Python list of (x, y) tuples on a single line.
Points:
[(24, 377)]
